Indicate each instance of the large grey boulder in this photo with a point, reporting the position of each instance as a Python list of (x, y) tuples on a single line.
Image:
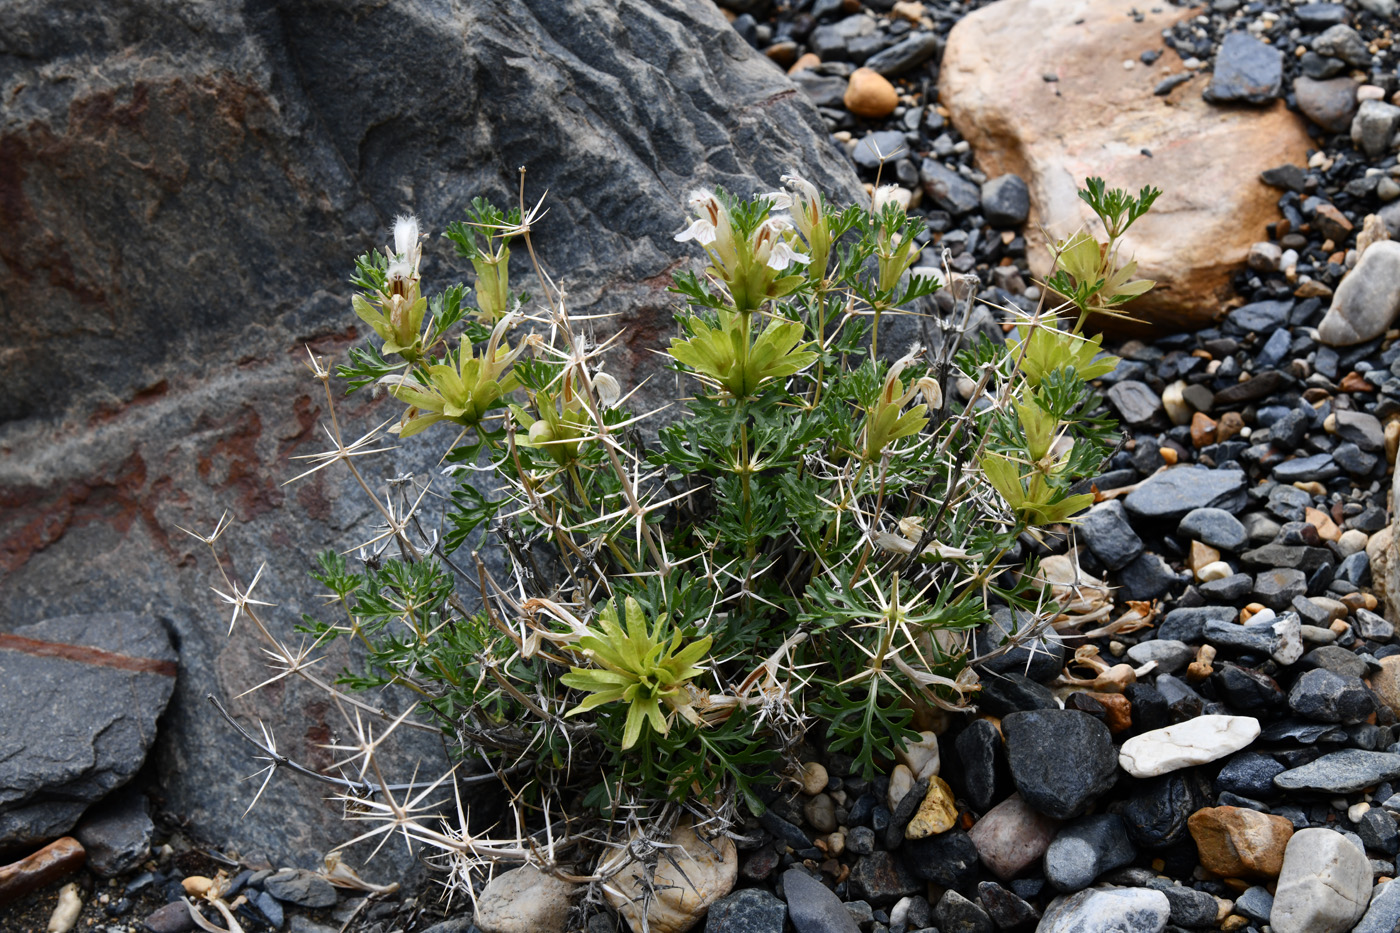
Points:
[(183, 189), (81, 696)]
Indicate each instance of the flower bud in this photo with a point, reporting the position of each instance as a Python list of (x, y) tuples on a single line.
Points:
[(609, 392)]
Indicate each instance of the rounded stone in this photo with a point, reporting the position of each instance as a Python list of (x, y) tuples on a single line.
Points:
[(1240, 843), (1193, 742), (870, 94), (1324, 886), (524, 900), (1055, 783)]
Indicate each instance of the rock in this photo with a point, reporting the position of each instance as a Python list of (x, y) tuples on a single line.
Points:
[(937, 813), (1189, 907), (921, 757), (822, 90), (1170, 655), (812, 907), (1342, 772), (1383, 914), (56, 860), (1011, 836), (116, 834), (1087, 848), (1240, 843), (882, 879), (1330, 104), (1136, 403), (1215, 527), (1169, 495), (905, 55), (1006, 201), (751, 910), (901, 783), (1053, 783), (1008, 647), (1193, 742), (1105, 529), (1324, 887), (1255, 903), (698, 873), (820, 812), (1206, 160), (1322, 696), (1246, 71), (1279, 587), (957, 914), (1385, 683), (301, 887), (983, 761), (1361, 428), (271, 908), (1249, 775), (174, 918), (1341, 41), (878, 146), (949, 190), (814, 778), (948, 859), (1107, 910), (288, 147), (869, 94), (1007, 911), (74, 744), (1373, 127)]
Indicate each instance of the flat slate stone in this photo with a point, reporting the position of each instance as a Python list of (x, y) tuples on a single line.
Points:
[(81, 695), (1343, 772), (1170, 495)]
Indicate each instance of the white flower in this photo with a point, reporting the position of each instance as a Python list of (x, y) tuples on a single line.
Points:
[(771, 249), (406, 238), (399, 275), (783, 256), (781, 200), (701, 231), (931, 391), (607, 388), (805, 203)]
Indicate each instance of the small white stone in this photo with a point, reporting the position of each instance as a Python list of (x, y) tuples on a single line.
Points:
[(1356, 811), (1288, 638), (1174, 401), (1141, 910), (1194, 742), (1351, 541), (1324, 886), (524, 900), (901, 782), (921, 757), (1215, 570)]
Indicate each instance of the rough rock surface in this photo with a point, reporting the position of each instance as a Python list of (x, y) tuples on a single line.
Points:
[(1325, 884), (1206, 159), (524, 900), (81, 696), (698, 873), (183, 196)]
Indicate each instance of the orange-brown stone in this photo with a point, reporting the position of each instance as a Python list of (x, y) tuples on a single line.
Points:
[(1240, 843)]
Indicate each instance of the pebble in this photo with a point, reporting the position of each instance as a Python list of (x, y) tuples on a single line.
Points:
[(1012, 836), (1006, 201), (1087, 848), (1046, 778), (1194, 742), (751, 910), (1330, 103), (1170, 495), (1107, 910), (1341, 772), (1109, 535), (949, 859), (921, 757), (1383, 913), (1215, 527), (300, 887), (812, 907), (1246, 71), (1323, 696), (1324, 886), (521, 900), (1368, 300), (814, 778), (869, 94), (936, 814), (1240, 843)]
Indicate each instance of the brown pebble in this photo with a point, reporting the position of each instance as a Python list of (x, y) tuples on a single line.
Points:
[(1392, 441), (808, 60), (1237, 842), (1119, 711), (870, 94), (1352, 382), (1233, 922), (1203, 428), (50, 863), (1230, 424), (1168, 455), (1201, 555)]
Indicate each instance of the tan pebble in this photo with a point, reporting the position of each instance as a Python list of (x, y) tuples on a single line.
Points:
[(1174, 401), (66, 913), (1355, 601), (1200, 556), (1223, 908), (1236, 842), (1117, 648), (814, 778), (1250, 611), (1339, 627), (870, 94), (908, 9), (1118, 709), (808, 60), (197, 885), (1356, 811), (1335, 609), (921, 757), (1233, 922), (1313, 488), (938, 813), (835, 844), (1201, 668), (1327, 529), (1392, 440), (1168, 455), (1329, 424)]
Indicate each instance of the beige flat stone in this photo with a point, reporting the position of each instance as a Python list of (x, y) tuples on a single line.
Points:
[(703, 871), (938, 813)]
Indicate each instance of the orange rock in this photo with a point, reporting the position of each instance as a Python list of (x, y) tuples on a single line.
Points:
[(1120, 711), (1203, 429), (808, 60), (1168, 455), (870, 94), (1354, 382), (49, 864), (1201, 554), (1206, 159), (1231, 423), (1326, 528), (1240, 843)]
